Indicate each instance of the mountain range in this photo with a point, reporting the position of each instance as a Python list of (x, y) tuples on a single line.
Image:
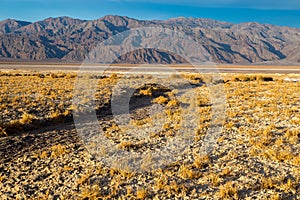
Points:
[(70, 40)]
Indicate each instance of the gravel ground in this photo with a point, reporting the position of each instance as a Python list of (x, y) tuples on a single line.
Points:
[(252, 158), (53, 163)]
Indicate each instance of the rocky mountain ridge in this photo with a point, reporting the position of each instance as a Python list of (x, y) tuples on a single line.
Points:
[(68, 39)]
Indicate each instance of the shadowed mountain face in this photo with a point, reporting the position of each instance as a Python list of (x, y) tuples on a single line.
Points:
[(69, 39)]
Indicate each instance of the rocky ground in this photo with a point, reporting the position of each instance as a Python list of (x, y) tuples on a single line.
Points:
[(256, 154)]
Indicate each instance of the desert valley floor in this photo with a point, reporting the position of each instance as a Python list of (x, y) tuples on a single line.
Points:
[(255, 154)]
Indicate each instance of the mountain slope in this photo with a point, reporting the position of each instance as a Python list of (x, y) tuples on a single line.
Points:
[(69, 39), (10, 25)]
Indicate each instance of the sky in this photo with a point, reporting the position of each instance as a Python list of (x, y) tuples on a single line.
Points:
[(278, 12)]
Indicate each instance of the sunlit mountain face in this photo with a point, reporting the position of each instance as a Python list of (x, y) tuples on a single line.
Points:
[(69, 39)]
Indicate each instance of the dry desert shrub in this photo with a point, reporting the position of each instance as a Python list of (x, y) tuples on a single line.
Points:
[(160, 100), (141, 193), (228, 191)]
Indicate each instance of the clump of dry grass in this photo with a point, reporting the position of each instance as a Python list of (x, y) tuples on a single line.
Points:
[(26, 118), (141, 193), (186, 172), (84, 178), (173, 103), (58, 150), (146, 92), (90, 192), (160, 100), (201, 161), (228, 191), (44, 154), (2, 132), (2, 178), (245, 78)]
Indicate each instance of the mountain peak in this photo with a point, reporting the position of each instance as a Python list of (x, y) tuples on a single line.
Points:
[(197, 22), (62, 18), (10, 25)]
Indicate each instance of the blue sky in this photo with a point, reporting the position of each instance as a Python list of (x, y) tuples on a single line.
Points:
[(279, 12)]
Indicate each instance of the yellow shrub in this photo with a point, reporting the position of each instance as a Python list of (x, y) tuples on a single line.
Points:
[(26, 118), (146, 92), (160, 100), (173, 103)]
